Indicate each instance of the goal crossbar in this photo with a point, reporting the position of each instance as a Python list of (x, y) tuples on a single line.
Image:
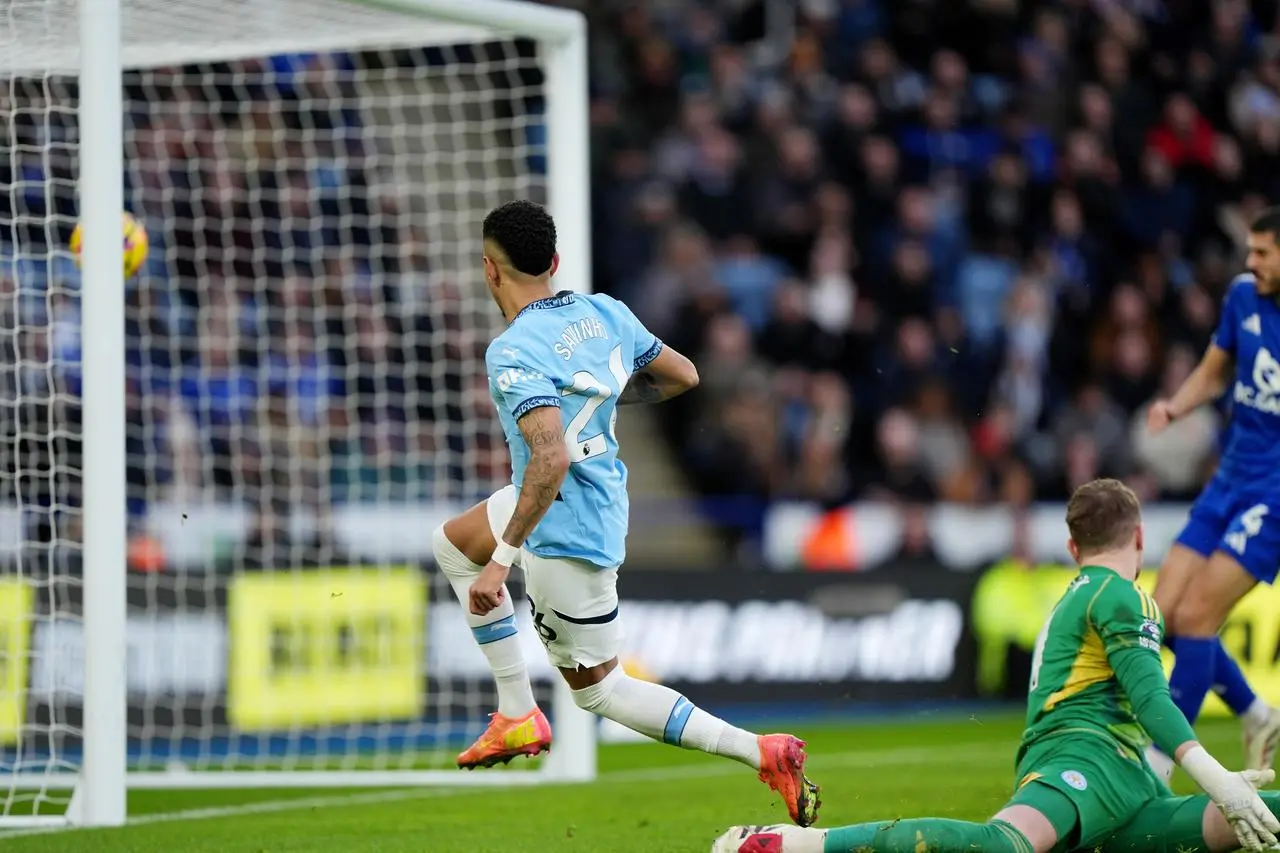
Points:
[(151, 30)]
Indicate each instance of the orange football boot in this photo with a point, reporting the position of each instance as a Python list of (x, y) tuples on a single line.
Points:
[(782, 759), (506, 738)]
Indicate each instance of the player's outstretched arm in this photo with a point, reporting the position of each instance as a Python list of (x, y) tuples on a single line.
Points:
[(669, 375), (1205, 384)]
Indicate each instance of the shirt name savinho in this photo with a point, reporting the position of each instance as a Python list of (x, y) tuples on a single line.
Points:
[(575, 333)]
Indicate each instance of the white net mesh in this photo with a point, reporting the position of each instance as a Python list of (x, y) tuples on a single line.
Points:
[(306, 389)]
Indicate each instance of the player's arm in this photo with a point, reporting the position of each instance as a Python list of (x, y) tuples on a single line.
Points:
[(1129, 624), (658, 372), (1211, 376), (548, 464), (539, 423), (668, 375), (1141, 675), (531, 398), (1206, 383)]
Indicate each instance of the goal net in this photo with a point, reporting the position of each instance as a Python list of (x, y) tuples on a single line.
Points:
[(306, 393)]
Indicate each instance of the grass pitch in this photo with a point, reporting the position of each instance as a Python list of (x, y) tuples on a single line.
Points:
[(648, 798)]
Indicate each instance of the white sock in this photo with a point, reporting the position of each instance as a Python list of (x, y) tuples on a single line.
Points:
[(1259, 712), (664, 715), (495, 632), (794, 839), (798, 840)]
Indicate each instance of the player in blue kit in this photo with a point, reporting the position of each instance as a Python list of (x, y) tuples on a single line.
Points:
[(557, 374), (1232, 539)]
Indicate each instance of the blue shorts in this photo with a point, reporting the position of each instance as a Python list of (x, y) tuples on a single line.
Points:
[(1243, 526)]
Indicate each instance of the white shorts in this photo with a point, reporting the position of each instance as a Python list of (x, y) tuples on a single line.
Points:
[(575, 603)]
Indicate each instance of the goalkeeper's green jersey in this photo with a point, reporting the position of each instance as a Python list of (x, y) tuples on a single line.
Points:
[(1096, 670)]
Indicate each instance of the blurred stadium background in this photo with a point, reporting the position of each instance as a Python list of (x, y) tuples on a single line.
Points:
[(933, 258)]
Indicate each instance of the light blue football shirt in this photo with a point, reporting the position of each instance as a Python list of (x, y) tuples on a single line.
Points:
[(576, 353)]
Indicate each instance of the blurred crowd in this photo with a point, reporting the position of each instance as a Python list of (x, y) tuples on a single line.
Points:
[(920, 249), (934, 249)]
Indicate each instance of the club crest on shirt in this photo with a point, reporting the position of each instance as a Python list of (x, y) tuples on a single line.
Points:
[(1075, 779)]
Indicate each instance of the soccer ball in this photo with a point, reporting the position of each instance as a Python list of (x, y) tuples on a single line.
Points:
[(135, 244)]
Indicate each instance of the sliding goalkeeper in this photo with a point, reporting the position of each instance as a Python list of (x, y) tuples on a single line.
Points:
[(1098, 696)]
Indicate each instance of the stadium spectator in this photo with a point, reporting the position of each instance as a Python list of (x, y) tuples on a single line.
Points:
[(1037, 238)]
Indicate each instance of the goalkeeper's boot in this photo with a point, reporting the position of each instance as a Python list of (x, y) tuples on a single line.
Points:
[(782, 759), (1260, 740), (506, 738), (770, 839)]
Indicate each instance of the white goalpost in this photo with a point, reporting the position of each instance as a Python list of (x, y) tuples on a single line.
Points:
[(219, 478)]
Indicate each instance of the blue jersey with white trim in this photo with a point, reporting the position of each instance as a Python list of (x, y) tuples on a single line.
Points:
[(1249, 329), (575, 353)]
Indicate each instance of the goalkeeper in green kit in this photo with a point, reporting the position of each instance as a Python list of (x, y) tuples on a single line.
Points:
[(1098, 696)]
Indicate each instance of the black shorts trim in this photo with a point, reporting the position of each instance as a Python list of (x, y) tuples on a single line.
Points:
[(590, 620)]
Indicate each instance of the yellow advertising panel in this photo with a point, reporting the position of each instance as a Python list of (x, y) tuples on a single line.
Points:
[(1011, 603), (16, 601), (336, 645)]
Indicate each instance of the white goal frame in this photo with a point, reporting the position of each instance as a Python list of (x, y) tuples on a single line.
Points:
[(100, 786)]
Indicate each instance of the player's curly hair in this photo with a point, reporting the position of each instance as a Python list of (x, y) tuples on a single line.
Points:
[(525, 232)]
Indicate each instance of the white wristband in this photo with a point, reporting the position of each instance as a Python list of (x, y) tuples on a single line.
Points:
[(504, 554), (1206, 771)]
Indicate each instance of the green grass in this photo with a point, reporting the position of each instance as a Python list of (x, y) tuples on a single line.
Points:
[(648, 798)]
